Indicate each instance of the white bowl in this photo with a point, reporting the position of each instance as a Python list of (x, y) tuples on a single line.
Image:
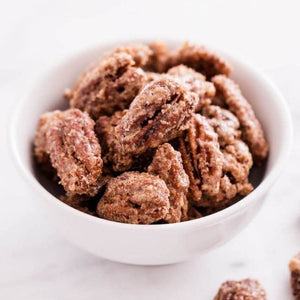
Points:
[(150, 244)]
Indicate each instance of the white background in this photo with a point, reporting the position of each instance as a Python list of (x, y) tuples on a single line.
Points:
[(35, 262)]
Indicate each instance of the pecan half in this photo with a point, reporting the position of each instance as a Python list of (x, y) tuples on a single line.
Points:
[(68, 138), (252, 132), (237, 162), (167, 164), (109, 85), (133, 197), (249, 289), (295, 276), (202, 159), (158, 114), (201, 59), (196, 83), (225, 124), (237, 159), (160, 59)]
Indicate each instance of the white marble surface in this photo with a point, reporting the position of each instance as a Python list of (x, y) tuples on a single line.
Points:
[(35, 262)]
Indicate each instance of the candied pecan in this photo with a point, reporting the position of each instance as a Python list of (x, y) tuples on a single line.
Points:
[(40, 144), (158, 114), (251, 128), (195, 82), (108, 86), (201, 59), (139, 53), (159, 60), (237, 162), (247, 289), (294, 267), (167, 164), (69, 139), (225, 124), (105, 129), (202, 158), (133, 197)]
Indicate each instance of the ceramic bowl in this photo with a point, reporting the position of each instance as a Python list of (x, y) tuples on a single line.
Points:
[(149, 244)]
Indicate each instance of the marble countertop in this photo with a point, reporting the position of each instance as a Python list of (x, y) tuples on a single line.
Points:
[(35, 261)]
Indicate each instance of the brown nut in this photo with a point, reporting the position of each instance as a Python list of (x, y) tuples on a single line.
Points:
[(108, 86), (105, 130), (68, 138), (139, 53), (133, 197), (112, 157), (196, 83), (252, 132), (294, 267), (158, 114), (167, 164), (237, 162), (225, 124), (247, 289), (201, 59), (160, 58), (202, 158)]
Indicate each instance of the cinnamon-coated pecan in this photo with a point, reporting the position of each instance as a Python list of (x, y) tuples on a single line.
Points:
[(252, 132), (167, 164), (68, 138), (247, 289), (133, 197)]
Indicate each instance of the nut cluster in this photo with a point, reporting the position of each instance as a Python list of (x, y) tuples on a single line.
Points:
[(152, 135)]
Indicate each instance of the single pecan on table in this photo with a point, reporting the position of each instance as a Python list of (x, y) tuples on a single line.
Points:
[(133, 197), (294, 267), (252, 133), (68, 139), (167, 164), (247, 289)]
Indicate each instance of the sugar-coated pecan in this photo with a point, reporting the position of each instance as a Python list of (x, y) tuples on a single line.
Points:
[(167, 164), (201, 59), (195, 82), (247, 289), (139, 53), (158, 114), (109, 85), (252, 132), (202, 158), (133, 197), (112, 157), (105, 130), (68, 138), (225, 124), (160, 59), (237, 162), (295, 276)]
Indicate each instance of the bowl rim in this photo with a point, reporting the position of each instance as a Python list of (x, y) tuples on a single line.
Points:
[(217, 217)]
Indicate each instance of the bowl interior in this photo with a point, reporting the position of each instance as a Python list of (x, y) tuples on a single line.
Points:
[(46, 95)]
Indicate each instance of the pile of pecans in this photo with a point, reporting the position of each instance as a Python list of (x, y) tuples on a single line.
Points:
[(152, 135)]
